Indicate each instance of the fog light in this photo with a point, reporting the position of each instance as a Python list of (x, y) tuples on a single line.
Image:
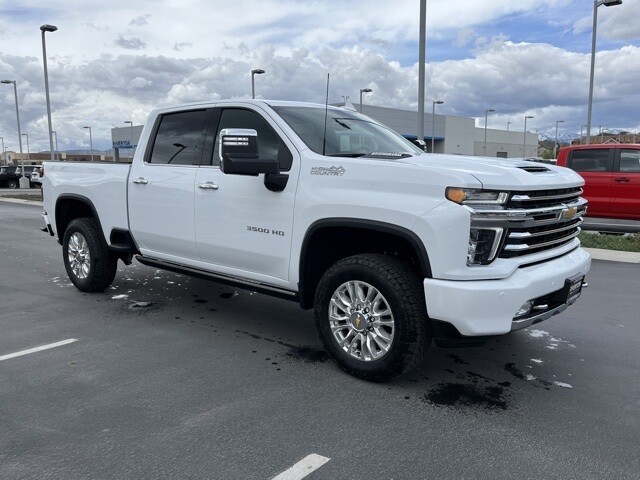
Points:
[(525, 309)]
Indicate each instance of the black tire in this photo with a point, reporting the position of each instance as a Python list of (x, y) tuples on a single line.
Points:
[(403, 293), (103, 262), (12, 184)]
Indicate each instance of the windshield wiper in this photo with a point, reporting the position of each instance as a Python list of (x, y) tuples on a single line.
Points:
[(351, 155)]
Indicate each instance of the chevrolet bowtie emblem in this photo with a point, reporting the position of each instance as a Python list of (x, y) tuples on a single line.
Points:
[(569, 213)]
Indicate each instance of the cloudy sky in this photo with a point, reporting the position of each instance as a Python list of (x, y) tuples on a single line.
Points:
[(114, 61)]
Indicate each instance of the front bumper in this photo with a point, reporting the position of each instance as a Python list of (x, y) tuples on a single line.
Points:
[(488, 307)]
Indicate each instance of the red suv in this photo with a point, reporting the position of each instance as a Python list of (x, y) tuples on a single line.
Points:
[(612, 177)]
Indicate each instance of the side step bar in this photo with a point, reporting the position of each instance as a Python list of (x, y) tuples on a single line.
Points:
[(220, 278)]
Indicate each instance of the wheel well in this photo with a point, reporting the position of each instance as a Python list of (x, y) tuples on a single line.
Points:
[(68, 209), (326, 245)]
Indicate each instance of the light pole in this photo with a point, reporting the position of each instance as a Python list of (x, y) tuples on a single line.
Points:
[(596, 4), (254, 72), (421, 64), (581, 130), (508, 123), (43, 29), (15, 92), (90, 142), (524, 145), (363, 90), (433, 123), (486, 114), (130, 122), (555, 145), (5, 157), (55, 136)]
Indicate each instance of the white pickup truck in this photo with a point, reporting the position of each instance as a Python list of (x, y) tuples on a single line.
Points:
[(391, 246)]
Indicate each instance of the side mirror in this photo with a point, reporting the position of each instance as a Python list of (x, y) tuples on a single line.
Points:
[(239, 153), (421, 144)]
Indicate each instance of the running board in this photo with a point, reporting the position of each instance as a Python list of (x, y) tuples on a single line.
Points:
[(219, 278)]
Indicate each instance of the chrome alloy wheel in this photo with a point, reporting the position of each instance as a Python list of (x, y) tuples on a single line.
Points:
[(361, 321), (79, 256)]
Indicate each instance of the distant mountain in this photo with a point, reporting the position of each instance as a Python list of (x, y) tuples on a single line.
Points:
[(566, 138)]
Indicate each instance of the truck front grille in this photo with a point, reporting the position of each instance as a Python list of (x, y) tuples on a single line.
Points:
[(534, 221)]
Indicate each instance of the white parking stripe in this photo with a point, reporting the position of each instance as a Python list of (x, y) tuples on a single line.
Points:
[(38, 349), (303, 468)]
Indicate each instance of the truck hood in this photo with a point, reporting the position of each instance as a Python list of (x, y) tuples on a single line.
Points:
[(497, 173)]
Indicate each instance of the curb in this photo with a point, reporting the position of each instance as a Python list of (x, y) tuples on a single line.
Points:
[(614, 255), (23, 202)]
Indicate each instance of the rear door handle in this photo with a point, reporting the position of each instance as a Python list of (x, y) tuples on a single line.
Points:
[(140, 181), (208, 186), (621, 180)]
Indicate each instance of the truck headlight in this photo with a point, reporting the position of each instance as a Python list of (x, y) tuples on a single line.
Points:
[(471, 196), (483, 245)]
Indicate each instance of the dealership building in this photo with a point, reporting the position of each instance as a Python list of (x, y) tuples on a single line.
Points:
[(452, 134)]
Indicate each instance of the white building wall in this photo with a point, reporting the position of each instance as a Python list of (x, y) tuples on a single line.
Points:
[(505, 144)]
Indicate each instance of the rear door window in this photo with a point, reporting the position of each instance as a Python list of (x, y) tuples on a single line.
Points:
[(180, 139), (592, 160), (630, 160)]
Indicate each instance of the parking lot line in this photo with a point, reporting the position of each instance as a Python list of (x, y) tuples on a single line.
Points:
[(38, 349), (303, 468)]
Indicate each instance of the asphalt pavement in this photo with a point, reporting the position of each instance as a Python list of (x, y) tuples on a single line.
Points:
[(173, 377)]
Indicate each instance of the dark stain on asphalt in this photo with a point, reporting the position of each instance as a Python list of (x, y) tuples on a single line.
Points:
[(308, 354), (227, 295), (200, 300), (511, 368), (457, 359), (465, 395)]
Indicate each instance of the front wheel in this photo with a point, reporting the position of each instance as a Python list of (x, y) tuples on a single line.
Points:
[(89, 262), (12, 184), (371, 316)]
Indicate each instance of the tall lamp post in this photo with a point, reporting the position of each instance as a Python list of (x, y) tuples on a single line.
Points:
[(254, 72), (596, 4), (363, 90), (15, 92), (55, 136), (555, 145), (5, 160), (524, 145), (508, 123), (47, 28), (130, 122), (433, 123), (582, 130), (486, 115), (90, 142)]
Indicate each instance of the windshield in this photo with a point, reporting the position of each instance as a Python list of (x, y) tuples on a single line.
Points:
[(349, 134)]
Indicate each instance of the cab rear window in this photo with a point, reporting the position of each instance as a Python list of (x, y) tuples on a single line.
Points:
[(595, 160)]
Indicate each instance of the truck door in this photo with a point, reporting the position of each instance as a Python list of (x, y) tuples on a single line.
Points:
[(626, 184), (161, 188), (242, 228), (595, 165)]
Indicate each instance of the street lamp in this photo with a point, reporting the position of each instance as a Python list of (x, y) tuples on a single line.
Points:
[(422, 41), (363, 90), (28, 152), (486, 114), (90, 142), (55, 135), (43, 29), (130, 122), (508, 123), (15, 92), (581, 130), (596, 4), (433, 123), (524, 145), (555, 145), (257, 71), (5, 158)]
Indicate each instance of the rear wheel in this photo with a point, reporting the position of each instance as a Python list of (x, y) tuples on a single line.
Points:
[(89, 262), (371, 316), (12, 184)]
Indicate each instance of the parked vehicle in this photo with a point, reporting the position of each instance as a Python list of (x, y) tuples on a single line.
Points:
[(391, 246), (612, 177), (34, 179), (9, 178)]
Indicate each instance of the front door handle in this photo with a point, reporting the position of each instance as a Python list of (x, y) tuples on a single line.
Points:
[(208, 186), (140, 181), (621, 180)]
